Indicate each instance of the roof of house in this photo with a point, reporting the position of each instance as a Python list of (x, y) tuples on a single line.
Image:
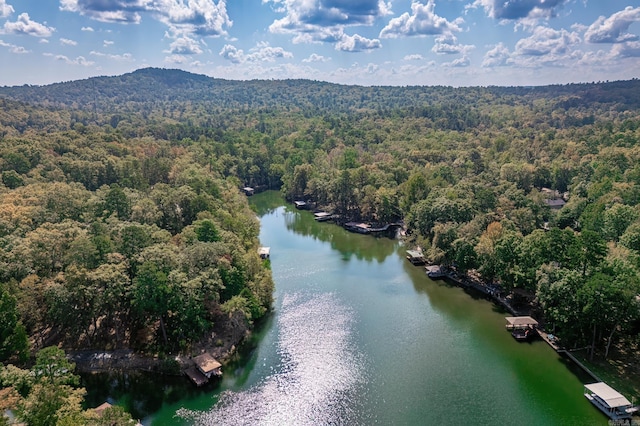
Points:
[(100, 408), (264, 251), (206, 363), (609, 395), (559, 202)]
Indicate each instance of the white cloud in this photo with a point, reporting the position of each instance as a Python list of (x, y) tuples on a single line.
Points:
[(519, 9), (497, 56), (448, 45), (421, 22), (24, 25), (314, 57), (203, 17), (68, 42), (14, 48), (176, 59), (458, 63), (88, 29), (121, 11), (305, 14), (324, 21), (184, 46), (614, 28), (263, 52), (545, 47), (357, 43), (233, 54), (107, 43), (80, 60), (5, 9), (125, 57), (547, 41), (414, 57), (630, 49)]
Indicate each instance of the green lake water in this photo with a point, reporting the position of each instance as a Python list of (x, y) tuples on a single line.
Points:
[(359, 336)]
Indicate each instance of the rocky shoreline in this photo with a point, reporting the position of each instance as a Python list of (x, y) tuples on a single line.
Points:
[(226, 337)]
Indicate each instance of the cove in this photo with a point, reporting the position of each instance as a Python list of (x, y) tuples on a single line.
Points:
[(360, 336)]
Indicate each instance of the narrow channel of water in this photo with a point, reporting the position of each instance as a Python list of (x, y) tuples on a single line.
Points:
[(359, 336)]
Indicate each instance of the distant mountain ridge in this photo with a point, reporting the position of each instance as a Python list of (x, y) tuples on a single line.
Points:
[(156, 85)]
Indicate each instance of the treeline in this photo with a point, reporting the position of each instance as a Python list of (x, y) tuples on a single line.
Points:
[(48, 394), (471, 171), (112, 243)]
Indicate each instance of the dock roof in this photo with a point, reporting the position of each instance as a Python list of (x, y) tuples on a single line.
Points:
[(609, 395), (206, 363), (414, 253), (520, 321)]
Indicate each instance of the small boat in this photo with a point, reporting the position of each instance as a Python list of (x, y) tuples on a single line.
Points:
[(435, 272), (360, 228), (322, 216)]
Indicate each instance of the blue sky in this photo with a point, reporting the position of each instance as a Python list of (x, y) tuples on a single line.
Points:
[(368, 42)]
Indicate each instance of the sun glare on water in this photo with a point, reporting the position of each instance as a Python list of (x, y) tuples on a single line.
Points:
[(319, 376)]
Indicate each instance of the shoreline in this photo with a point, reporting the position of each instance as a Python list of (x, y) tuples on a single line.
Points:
[(493, 293), (222, 344)]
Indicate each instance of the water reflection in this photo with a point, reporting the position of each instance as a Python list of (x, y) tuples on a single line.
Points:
[(318, 377), (362, 247)]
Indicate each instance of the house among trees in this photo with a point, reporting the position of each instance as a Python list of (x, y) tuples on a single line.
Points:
[(553, 198), (100, 408), (248, 191), (301, 205), (555, 204)]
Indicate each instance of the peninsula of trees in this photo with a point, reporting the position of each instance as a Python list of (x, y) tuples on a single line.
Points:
[(122, 224)]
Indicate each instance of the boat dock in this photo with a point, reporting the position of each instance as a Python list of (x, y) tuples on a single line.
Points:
[(416, 257), (610, 401)]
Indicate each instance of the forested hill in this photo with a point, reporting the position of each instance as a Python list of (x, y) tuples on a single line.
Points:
[(156, 86), (135, 180)]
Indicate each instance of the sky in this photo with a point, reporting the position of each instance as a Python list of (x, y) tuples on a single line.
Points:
[(364, 42)]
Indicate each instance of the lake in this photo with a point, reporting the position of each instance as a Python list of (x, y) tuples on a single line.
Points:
[(360, 336)]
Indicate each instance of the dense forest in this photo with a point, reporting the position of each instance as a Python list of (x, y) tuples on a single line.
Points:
[(122, 223)]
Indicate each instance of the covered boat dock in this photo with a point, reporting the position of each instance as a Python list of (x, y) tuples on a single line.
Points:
[(522, 328), (609, 401), (264, 252), (416, 257), (205, 366)]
